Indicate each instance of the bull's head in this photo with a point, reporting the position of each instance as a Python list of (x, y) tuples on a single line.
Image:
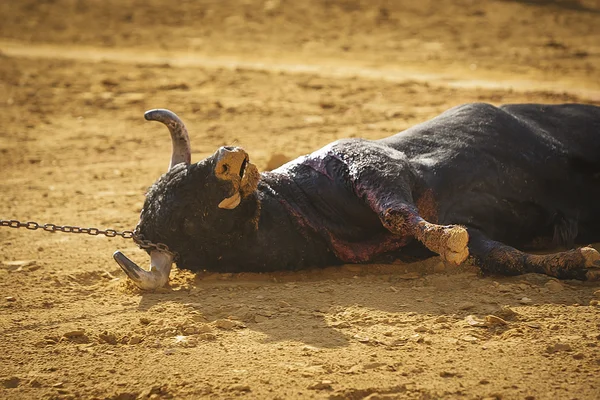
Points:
[(193, 208)]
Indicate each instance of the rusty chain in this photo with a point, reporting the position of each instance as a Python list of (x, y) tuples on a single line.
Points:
[(137, 237)]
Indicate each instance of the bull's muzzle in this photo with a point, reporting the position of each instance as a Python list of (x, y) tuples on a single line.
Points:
[(233, 165)]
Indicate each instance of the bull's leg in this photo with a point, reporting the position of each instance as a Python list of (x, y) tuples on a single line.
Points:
[(495, 257), (388, 188), (449, 241)]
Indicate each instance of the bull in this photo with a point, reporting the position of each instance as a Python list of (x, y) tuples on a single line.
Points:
[(478, 180)]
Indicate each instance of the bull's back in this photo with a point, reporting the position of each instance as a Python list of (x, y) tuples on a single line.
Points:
[(512, 170)]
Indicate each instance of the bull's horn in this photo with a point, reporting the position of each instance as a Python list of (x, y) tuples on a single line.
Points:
[(231, 202), (158, 276), (182, 152)]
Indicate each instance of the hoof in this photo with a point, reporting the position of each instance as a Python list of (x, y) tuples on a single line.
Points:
[(456, 240), (591, 256), (456, 258), (592, 263)]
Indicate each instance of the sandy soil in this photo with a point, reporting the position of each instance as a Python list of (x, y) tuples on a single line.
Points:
[(276, 77)]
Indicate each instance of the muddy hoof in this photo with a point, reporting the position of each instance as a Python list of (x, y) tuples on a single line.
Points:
[(456, 239)]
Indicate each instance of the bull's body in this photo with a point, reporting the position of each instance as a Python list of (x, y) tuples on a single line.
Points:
[(512, 176)]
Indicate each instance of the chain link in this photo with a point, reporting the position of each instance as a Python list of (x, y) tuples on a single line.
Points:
[(137, 237)]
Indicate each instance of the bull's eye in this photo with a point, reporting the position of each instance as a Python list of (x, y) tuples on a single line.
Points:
[(224, 168)]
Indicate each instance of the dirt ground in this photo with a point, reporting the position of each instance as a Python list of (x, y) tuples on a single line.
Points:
[(276, 77)]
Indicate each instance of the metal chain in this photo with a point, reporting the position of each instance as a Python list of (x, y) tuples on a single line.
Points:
[(137, 237)]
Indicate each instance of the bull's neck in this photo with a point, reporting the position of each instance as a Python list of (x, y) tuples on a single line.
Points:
[(283, 227)]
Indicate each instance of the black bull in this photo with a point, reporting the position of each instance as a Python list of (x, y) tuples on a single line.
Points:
[(477, 180)]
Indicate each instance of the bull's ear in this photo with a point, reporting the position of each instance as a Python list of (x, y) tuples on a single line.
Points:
[(231, 202)]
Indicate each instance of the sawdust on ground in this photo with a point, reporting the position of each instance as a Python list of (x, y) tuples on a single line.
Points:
[(278, 78)]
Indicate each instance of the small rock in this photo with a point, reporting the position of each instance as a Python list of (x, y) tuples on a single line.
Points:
[(198, 318), (311, 349), (74, 334), (225, 324), (469, 338), (239, 388), (207, 336), (507, 313), (361, 338), (474, 321), (323, 385), (594, 303), (492, 320), (441, 319), (579, 356), (554, 286), (260, 318), (108, 337), (145, 320), (421, 329), (16, 265), (467, 305), (512, 333), (525, 300), (135, 339), (505, 288), (35, 383), (10, 298), (11, 383), (447, 374), (190, 330), (533, 325), (374, 365), (58, 385), (204, 328), (558, 347)]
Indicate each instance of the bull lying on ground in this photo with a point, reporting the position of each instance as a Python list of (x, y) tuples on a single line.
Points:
[(478, 180)]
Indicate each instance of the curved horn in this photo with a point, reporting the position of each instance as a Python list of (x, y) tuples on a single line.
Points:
[(158, 276), (182, 152)]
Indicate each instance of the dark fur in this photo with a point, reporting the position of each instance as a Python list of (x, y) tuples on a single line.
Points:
[(513, 174)]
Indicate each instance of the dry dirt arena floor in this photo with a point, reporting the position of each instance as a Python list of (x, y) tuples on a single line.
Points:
[(278, 77)]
